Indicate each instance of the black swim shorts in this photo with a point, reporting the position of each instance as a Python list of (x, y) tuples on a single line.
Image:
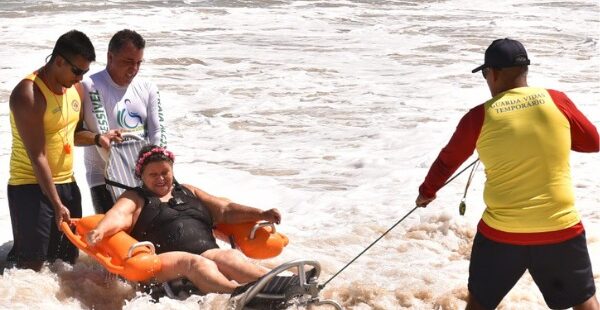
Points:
[(36, 236), (562, 271)]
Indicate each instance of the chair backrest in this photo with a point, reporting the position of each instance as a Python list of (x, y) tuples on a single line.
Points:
[(120, 169)]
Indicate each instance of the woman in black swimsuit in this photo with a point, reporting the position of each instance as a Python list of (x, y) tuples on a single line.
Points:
[(179, 219)]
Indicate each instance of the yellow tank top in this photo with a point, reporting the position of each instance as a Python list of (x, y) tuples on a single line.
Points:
[(525, 145), (60, 120)]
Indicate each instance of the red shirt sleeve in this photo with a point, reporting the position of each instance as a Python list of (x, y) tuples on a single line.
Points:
[(459, 148), (584, 136)]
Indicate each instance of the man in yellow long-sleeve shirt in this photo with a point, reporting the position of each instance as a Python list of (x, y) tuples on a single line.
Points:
[(523, 136)]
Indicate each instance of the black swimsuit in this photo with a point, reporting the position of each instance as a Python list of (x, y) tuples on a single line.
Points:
[(182, 224)]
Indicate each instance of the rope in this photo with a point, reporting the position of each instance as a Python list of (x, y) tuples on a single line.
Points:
[(390, 229)]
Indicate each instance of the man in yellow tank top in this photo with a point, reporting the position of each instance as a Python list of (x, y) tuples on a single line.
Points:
[(523, 136), (45, 112)]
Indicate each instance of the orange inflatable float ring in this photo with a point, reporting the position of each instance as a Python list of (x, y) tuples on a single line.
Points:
[(120, 253), (255, 240)]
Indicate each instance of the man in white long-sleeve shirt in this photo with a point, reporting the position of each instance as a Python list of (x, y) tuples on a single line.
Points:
[(116, 99)]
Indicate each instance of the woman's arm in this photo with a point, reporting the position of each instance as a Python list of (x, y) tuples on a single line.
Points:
[(118, 218), (225, 211)]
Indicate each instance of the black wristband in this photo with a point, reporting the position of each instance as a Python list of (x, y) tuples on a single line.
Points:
[(97, 140)]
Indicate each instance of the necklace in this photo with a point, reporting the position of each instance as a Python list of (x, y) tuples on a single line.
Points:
[(59, 105)]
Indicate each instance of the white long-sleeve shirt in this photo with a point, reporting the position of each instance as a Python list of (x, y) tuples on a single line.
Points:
[(135, 108)]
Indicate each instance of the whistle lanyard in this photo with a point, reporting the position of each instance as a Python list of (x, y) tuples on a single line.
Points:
[(463, 205)]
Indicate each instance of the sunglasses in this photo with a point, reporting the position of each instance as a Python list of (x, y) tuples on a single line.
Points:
[(485, 72), (74, 69)]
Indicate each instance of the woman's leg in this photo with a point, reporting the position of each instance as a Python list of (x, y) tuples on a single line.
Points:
[(234, 265), (201, 271)]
